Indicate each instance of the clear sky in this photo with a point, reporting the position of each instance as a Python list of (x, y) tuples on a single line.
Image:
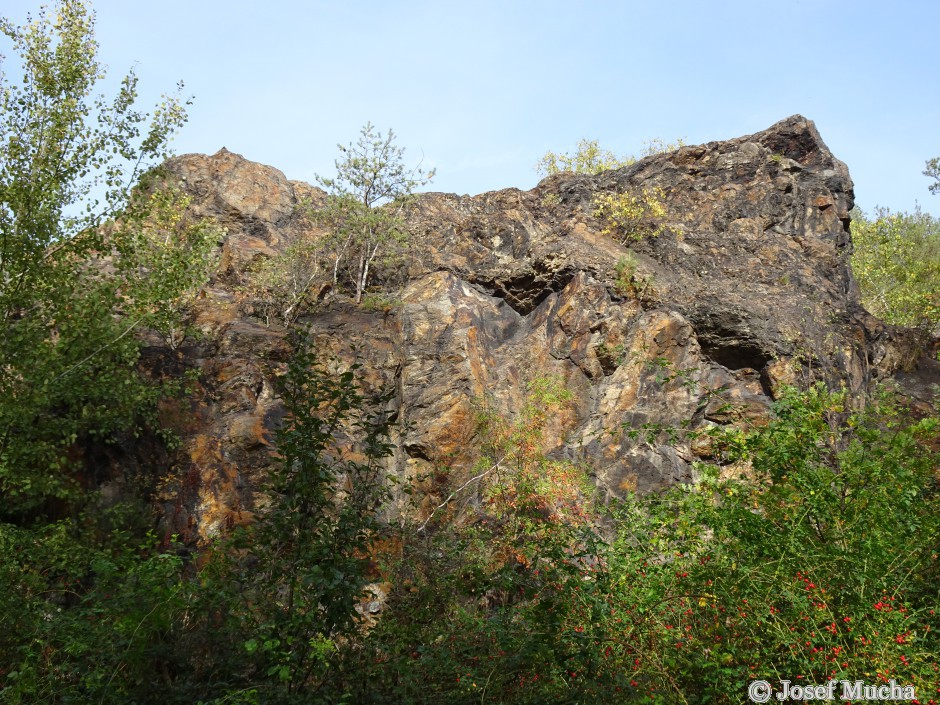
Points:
[(481, 89)]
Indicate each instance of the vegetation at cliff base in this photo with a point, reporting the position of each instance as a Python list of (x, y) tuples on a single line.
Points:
[(819, 564)]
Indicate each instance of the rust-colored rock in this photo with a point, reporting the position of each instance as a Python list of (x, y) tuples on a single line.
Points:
[(748, 288)]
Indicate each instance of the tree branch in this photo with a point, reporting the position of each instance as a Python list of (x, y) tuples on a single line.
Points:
[(453, 494)]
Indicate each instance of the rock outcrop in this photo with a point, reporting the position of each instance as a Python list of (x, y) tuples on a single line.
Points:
[(747, 288)]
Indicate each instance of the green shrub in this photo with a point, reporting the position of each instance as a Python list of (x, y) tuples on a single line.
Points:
[(588, 158), (628, 281), (631, 216), (819, 564), (896, 261)]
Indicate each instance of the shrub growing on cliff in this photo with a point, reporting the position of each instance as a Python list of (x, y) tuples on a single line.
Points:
[(628, 215), (363, 221), (588, 158), (283, 286), (366, 200)]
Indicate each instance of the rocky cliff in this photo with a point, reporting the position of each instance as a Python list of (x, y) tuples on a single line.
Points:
[(748, 287)]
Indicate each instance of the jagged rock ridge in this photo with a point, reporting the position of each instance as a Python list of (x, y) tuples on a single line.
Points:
[(748, 288)]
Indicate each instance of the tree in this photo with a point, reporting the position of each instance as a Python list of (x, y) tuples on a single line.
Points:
[(366, 201), (311, 544), (79, 255), (897, 265), (933, 171), (90, 254)]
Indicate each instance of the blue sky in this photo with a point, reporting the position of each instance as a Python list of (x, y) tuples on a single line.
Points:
[(481, 90)]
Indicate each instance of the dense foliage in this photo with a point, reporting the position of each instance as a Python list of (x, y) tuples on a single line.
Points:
[(286, 588), (820, 563), (260, 618), (896, 261)]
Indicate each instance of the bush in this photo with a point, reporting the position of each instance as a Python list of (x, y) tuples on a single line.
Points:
[(282, 286), (629, 215), (821, 564), (897, 264), (588, 158)]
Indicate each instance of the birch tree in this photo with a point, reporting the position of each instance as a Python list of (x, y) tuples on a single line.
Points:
[(84, 263)]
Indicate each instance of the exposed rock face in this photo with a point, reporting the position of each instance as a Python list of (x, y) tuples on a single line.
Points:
[(748, 288)]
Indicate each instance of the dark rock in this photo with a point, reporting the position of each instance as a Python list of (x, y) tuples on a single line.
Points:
[(748, 288)]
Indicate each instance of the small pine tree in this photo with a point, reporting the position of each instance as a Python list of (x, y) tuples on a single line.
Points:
[(366, 200)]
